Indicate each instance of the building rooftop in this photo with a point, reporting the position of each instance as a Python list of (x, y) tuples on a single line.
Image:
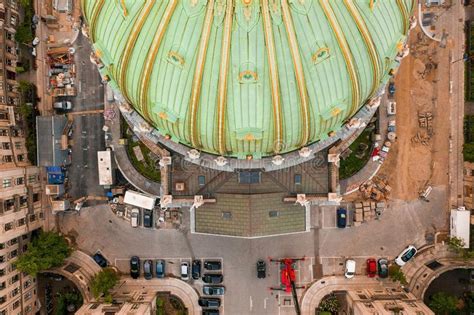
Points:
[(253, 78)]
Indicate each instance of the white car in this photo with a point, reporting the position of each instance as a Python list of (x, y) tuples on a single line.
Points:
[(185, 271), (407, 254), (350, 269), (134, 214)]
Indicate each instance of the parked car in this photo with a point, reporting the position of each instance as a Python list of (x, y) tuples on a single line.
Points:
[(160, 268), (64, 105), (134, 217), (350, 269), (148, 269), (100, 259), (391, 88), (209, 302), (196, 269), (212, 265), (134, 267), (210, 312), (185, 271), (371, 268), (213, 278), (147, 218), (261, 269), (209, 290), (407, 254), (382, 265), (341, 215)]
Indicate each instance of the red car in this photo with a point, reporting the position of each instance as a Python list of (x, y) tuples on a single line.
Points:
[(371, 267)]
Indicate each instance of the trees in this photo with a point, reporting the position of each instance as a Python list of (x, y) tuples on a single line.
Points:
[(47, 251), (443, 303), (329, 304), (103, 282), (456, 245), (396, 274)]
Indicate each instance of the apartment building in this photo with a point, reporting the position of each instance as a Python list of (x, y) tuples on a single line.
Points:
[(20, 189)]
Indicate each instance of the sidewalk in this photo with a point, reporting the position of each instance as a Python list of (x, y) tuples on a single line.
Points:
[(121, 156), (176, 287)]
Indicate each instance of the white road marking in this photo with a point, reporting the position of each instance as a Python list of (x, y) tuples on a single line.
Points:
[(251, 303), (265, 303)]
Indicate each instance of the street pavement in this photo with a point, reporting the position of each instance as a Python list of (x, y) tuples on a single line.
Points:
[(97, 228), (88, 137)]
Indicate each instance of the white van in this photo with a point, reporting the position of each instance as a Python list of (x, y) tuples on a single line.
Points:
[(134, 217)]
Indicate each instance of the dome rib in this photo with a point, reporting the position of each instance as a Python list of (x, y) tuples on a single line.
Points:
[(247, 77)]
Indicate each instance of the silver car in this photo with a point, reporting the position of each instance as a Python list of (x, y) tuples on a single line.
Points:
[(210, 290)]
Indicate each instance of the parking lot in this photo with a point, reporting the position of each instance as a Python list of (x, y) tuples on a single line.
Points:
[(172, 269)]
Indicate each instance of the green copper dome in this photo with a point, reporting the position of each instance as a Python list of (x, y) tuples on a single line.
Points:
[(240, 77)]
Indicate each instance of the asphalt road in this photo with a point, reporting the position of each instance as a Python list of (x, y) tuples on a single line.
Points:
[(97, 228), (88, 137)]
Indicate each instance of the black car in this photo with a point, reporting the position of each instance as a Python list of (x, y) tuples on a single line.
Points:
[(210, 312), (261, 269), (213, 278), (100, 260), (148, 218), (196, 269), (134, 267), (391, 89), (210, 302), (382, 267), (212, 265)]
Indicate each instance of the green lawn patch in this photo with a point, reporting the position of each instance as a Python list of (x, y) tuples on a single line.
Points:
[(356, 160), (146, 167)]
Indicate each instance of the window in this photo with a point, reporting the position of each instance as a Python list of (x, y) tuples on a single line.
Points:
[(226, 215), (15, 278), (6, 146), (4, 115), (32, 179), (28, 308), (20, 157), (2, 245), (9, 204), (3, 312), (13, 253), (22, 222), (249, 177), (23, 201), (15, 292), (28, 296), (3, 272), (298, 179), (16, 304), (3, 299), (19, 181), (27, 284), (24, 237), (32, 217), (3, 132), (7, 182), (274, 214), (10, 36), (3, 285), (3, 259), (36, 197), (41, 215), (7, 158), (201, 180), (18, 145), (13, 241), (8, 226)]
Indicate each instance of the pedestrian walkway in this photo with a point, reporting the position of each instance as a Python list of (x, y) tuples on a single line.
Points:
[(175, 287), (318, 290), (121, 156), (80, 268), (428, 264), (353, 183)]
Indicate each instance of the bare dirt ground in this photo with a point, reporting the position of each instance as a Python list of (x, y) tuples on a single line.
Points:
[(422, 84)]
